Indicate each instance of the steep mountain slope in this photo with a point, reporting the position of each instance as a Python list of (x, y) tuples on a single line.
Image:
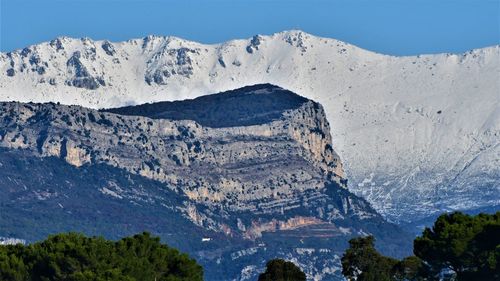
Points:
[(233, 165), (417, 135), (257, 187)]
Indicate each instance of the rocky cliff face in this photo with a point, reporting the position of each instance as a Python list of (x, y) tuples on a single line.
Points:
[(253, 169), (236, 166)]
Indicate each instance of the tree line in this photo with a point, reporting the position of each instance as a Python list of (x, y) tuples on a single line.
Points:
[(457, 247), (74, 257)]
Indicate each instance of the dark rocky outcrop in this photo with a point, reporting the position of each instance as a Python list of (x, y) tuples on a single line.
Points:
[(81, 76), (108, 48), (168, 62), (254, 44)]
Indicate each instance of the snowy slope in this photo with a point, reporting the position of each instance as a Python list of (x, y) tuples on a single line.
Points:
[(416, 134)]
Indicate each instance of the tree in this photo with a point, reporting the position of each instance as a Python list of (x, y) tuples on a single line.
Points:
[(458, 247), (12, 267), (74, 257), (467, 245), (410, 269), (362, 262), (281, 270)]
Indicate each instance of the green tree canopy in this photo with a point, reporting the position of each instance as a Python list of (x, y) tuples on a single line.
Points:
[(467, 245), (74, 257), (466, 248), (281, 270), (362, 261)]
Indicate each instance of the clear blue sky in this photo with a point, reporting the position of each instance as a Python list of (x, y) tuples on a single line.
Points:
[(398, 27)]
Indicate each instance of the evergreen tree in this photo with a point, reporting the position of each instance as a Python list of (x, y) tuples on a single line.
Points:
[(281, 270), (410, 269), (74, 257), (12, 266), (362, 262), (467, 245)]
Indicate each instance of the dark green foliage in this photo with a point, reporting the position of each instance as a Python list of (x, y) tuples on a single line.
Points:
[(362, 262), (104, 121), (12, 267), (91, 117), (74, 257), (281, 270), (466, 247), (410, 268)]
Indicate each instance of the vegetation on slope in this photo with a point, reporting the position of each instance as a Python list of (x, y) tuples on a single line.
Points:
[(458, 247), (281, 270), (250, 105), (74, 257)]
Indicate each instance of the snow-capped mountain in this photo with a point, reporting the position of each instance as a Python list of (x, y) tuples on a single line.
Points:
[(417, 135)]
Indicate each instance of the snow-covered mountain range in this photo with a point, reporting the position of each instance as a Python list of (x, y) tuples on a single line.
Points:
[(417, 135)]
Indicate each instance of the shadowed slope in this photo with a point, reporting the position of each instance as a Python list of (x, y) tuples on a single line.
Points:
[(251, 105)]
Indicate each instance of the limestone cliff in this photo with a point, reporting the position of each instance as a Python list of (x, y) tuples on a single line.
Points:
[(287, 154), (235, 179)]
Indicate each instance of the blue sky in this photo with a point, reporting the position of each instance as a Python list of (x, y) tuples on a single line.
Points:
[(398, 27)]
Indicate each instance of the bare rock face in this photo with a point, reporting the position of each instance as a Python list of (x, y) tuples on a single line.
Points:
[(247, 167), (236, 166), (167, 61), (81, 77)]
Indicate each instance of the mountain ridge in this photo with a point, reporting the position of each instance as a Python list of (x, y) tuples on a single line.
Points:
[(421, 125), (285, 32)]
